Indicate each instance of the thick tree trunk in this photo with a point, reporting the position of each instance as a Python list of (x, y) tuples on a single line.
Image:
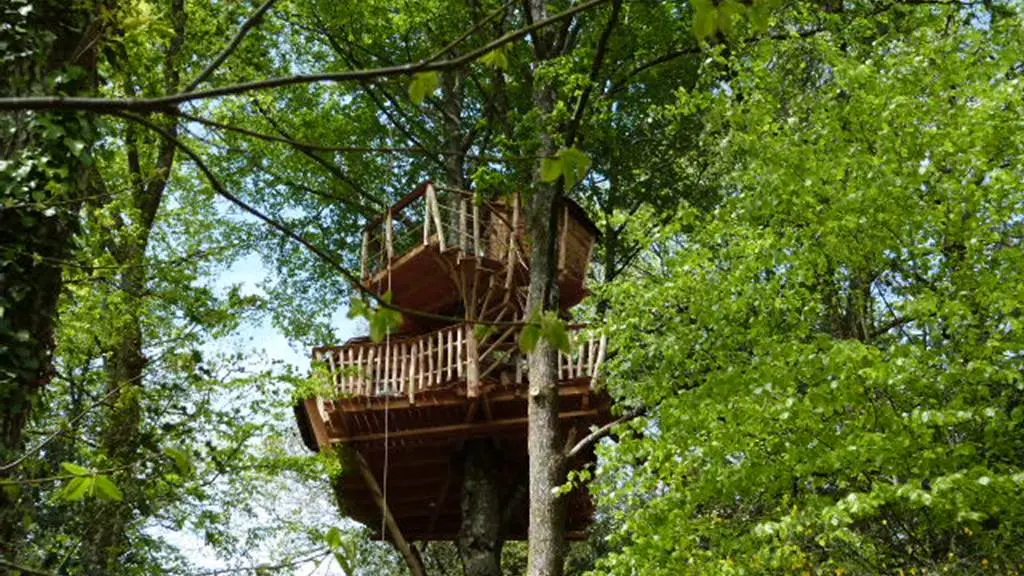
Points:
[(547, 466), (41, 180), (480, 535)]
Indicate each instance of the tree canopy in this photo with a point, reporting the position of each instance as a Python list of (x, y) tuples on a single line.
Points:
[(809, 269)]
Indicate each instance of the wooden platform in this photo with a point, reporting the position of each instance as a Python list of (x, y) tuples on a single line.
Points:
[(424, 442), (401, 411), (441, 251)]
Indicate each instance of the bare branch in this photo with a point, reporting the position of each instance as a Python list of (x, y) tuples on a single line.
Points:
[(592, 438)]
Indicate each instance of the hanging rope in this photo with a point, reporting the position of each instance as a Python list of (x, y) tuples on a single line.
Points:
[(387, 397)]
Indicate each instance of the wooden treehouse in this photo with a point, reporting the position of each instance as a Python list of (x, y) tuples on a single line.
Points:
[(412, 401)]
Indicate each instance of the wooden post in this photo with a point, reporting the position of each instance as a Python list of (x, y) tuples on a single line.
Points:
[(472, 363), (458, 348), (476, 230), (463, 228), (361, 377), (412, 372), (411, 556), (435, 211), (600, 358), (426, 221), (512, 242)]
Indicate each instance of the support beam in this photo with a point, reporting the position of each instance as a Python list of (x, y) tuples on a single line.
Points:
[(474, 428), (410, 554)]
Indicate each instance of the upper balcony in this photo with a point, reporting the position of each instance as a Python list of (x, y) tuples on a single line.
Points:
[(442, 251)]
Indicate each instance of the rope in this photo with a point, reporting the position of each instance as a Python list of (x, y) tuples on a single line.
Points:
[(387, 397)]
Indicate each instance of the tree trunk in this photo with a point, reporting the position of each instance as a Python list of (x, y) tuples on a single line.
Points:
[(107, 541), (547, 466), (42, 177), (480, 535)]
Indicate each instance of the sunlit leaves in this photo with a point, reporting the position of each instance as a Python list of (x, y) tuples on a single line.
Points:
[(87, 483), (498, 58), (569, 163), (383, 320), (424, 84), (549, 327)]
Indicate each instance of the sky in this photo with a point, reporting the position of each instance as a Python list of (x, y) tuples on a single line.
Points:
[(268, 345)]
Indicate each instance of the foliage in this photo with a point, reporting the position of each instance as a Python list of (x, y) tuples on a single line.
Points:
[(834, 353)]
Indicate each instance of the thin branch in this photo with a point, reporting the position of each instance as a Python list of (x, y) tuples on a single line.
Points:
[(476, 27), (592, 438), (595, 70), (248, 25), (260, 568), (24, 569), (163, 103), (338, 149)]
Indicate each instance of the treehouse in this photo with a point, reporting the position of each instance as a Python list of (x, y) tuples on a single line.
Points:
[(404, 407)]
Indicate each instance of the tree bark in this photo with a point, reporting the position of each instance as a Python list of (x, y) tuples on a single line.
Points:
[(480, 535), (42, 179), (547, 464), (106, 542)]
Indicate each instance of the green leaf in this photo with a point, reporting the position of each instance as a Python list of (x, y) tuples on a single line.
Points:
[(106, 488), (704, 19), (529, 337), (554, 330), (76, 489), (182, 460), (333, 538), (550, 169), (75, 469), (496, 58), (482, 331), (423, 85), (575, 164)]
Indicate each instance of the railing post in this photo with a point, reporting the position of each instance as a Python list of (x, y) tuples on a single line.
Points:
[(435, 212), (512, 241), (414, 349), (463, 229), (426, 221), (476, 229), (472, 363)]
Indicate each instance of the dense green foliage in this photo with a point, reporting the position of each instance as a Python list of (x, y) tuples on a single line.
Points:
[(835, 352), (810, 269)]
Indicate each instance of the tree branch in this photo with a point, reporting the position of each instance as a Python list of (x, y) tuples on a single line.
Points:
[(592, 438), (334, 263), (248, 25), (595, 70), (163, 103)]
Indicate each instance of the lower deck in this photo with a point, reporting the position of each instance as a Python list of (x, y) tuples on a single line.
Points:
[(420, 445)]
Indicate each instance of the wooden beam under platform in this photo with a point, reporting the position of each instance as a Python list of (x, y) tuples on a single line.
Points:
[(455, 429)]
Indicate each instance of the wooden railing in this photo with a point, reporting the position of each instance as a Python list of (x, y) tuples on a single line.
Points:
[(407, 366), (449, 218)]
